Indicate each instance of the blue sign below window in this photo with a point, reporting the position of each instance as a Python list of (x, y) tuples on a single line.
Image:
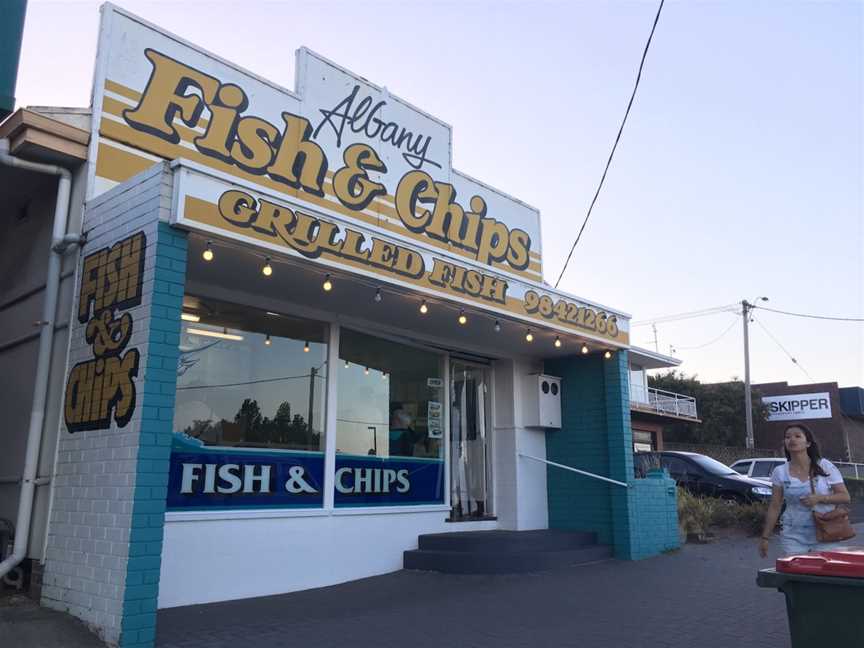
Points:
[(203, 478), (379, 481), (211, 478)]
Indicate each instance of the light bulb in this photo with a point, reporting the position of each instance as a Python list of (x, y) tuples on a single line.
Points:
[(497, 327), (208, 252), (423, 307), (462, 319), (267, 340), (584, 348), (267, 270), (366, 371), (347, 364), (557, 342), (306, 347), (607, 355), (529, 336), (327, 285), (377, 296), (383, 375)]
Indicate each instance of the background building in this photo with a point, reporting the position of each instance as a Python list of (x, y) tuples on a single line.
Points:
[(834, 414)]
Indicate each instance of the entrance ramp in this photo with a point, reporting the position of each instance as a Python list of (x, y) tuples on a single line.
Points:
[(504, 552)]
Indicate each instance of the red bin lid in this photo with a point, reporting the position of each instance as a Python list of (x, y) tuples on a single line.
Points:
[(845, 561)]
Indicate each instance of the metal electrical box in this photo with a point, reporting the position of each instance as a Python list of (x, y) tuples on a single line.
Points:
[(542, 401)]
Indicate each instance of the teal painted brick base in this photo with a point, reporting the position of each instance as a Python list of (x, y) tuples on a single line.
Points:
[(639, 521), (138, 628)]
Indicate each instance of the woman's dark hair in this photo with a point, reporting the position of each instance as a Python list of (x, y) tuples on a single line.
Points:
[(812, 451)]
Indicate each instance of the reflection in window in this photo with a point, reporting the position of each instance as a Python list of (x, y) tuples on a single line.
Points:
[(248, 378), (390, 398)]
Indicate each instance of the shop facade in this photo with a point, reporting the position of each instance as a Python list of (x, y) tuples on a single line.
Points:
[(299, 339)]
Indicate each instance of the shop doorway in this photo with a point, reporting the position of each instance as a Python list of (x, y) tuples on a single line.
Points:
[(470, 455)]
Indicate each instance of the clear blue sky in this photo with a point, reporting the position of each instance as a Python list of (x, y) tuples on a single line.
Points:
[(739, 173)]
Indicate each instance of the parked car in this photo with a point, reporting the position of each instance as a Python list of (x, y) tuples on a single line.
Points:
[(758, 468), (702, 475)]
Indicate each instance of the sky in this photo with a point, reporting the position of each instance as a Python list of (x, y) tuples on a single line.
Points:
[(739, 173)]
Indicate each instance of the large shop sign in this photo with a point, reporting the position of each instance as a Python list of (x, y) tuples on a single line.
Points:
[(324, 172)]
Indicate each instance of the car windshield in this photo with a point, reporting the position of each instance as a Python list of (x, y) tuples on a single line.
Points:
[(712, 465)]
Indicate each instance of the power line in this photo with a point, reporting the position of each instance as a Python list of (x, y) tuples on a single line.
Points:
[(809, 316), (782, 348), (248, 382), (615, 145), (716, 339), (728, 308)]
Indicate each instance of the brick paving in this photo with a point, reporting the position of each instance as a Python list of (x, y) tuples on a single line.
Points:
[(702, 595)]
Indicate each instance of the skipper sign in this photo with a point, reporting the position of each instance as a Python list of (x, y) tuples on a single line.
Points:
[(798, 407), (340, 169)]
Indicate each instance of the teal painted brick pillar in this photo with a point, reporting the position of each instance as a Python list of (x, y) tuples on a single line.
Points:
[(576, 502), (639, 521), (138, 626), (616, 378)]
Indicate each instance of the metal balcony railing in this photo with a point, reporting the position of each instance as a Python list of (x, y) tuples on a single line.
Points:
[(659, 401)]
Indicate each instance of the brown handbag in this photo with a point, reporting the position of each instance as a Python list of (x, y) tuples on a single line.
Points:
[(832, 526)]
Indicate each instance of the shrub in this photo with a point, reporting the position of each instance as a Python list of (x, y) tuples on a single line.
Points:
[(751, 517), (699, 514), (644, 463), (694, 513)]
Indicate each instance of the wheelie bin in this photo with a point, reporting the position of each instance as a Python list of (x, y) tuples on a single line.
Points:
[(824, 597)]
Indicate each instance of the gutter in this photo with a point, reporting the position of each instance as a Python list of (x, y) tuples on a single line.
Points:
[(60, 242)]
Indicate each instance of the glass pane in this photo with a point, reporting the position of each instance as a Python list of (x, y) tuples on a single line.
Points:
[(763, 468), (389, 423), (741, 468), (469, 456), (248, 379), (249, 414), (712, 465)]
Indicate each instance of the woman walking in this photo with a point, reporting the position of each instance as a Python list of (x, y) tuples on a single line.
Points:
[(807, 483)]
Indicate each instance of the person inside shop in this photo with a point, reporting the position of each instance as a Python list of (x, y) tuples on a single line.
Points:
[(401, 432), (806, 483)]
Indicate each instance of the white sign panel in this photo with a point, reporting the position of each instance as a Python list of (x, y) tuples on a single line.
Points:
[(338, 142), (798, 407)]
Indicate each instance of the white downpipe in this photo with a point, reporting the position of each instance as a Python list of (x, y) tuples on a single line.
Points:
[(59, 242)]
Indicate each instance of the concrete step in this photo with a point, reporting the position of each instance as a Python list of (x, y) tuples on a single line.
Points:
[(501, 562), (506, 541)]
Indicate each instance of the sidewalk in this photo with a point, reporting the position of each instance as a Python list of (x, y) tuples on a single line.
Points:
[(703, 595), (23, 624)]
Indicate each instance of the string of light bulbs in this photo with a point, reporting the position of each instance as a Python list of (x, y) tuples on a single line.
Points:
[(209, 255)]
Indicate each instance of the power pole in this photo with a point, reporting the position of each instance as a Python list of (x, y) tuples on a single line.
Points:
[(748, 403), (656, 344), (312, 373)]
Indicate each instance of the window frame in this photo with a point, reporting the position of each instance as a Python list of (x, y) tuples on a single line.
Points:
[(335, 323)]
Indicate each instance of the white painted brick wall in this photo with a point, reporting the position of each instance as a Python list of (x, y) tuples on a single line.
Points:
[(94, 483)]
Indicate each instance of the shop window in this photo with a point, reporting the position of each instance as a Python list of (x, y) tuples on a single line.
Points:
[(250, 379), (389, 423)]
